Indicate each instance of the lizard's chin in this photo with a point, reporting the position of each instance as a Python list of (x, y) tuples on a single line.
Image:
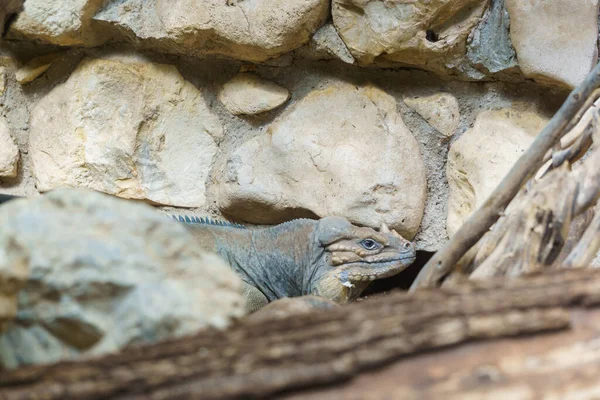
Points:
[(359, 271)]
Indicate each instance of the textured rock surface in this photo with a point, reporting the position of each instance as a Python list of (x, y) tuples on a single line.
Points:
[(60, 22), (34, 68), (490, 47), (127, 127), (9, 152), (482, 157), (252, 30), (8, 8), (326, 44), (426, 34), (104, 273), (247, 93), (440, 110), (342, 150), (555, 40)]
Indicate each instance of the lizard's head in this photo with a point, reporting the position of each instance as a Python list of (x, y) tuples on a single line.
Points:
[(355, 256)]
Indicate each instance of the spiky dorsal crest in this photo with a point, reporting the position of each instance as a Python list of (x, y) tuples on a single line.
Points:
[(205, 221)]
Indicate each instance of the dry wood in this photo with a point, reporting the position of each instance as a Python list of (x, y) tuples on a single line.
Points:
[(557, 365), (587, 248), (265, 357), (539, 229), (568, 116)]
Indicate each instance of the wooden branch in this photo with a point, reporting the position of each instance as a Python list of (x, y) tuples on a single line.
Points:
[(480, 221), (260, 358)]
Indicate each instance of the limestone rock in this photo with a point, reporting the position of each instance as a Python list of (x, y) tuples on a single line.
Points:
[(341, 150), (482, 157), (326, 44), (490, 47), (7, 9), (426, 34), (247, 93), (2, 80), (34, 68), (252, 30), (59, 22), (125, 126), (9, 152), (105, 273), (555, 40), (13, 275), (440, 110)]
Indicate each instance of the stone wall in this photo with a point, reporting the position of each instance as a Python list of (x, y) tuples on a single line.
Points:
[(405, 112)]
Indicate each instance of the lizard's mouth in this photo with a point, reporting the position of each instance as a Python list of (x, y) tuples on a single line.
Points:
[(364, 270)]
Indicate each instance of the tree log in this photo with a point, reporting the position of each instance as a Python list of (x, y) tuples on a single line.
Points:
[(260, 358)]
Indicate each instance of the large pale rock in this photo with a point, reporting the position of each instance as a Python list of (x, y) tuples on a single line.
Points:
[(60, 22), (427, 34), (342, 150), (252, 30), (127, 127), (482, 157), (555, 40), (105, 273), (9, 152), (247, 93), (440, 110)]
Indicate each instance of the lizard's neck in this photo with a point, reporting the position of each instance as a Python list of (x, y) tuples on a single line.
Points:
[(278, 260)]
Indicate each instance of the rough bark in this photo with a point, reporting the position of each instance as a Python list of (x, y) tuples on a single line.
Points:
[(264, 357), (567, 118)]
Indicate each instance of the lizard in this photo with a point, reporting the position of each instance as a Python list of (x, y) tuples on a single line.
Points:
[(327, 257)]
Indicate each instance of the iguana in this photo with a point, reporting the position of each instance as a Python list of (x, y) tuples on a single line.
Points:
[(329, 257)]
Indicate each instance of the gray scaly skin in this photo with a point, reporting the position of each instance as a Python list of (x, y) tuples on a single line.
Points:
[(329, 257)]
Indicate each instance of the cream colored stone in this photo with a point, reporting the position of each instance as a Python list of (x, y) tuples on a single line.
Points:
[(34, 68), (9, 152), (104, 273), (426, 34), (253, 30), (482, 157), (440, 110), (341, 150), (60, 22), (127, 127), (555, 40), (247, 93), (2, 80)]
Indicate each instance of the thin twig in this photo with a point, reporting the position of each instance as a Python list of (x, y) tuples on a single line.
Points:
[(479, 222)]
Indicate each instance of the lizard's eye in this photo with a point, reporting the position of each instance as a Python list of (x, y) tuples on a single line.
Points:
[(369, 244)]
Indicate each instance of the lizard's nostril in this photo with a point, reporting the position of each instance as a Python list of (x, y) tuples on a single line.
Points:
[(407, 245)]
